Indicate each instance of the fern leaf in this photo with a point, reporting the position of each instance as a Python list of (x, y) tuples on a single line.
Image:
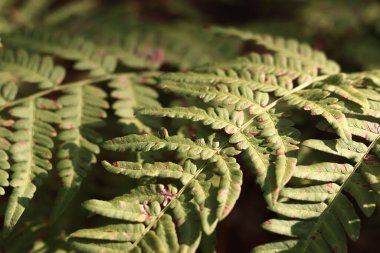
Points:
[(218, 118), (318, 103), (240, 98), (8, 91), (227, 168), (156, 170), (83, 110), (234, 79), (31, 153), (4, 157), (184, 234), (269, 64), (370, 173), (177, 231), (361, 128), (233, 125), (212, 200), (352, 150), (31, 68), (131, 94), (85, 53), (326, 213), (151, 46), (147, 142), (286, 47), (350, 93)]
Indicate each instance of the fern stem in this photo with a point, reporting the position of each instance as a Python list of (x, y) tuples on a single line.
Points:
[(223, 145), (357, 165)]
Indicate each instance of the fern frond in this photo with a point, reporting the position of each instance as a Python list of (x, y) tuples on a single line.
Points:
[(31, 68), (322, 211), (83, 110), (226, 167), (87, 55), (130, 94), (247, 139), (236, 90), (320, 103), (287, 47), (150, 46), (269, 64), (213, 192), (177, 231), (5, 134), (310, 134), (217, 118), (31, 152)]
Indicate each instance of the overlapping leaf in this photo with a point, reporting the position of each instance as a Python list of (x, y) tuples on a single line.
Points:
[(212, 192)]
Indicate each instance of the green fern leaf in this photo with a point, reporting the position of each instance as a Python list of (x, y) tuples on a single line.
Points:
[(130, 94), (31, 152), (326, 213), (226, 167), (8, 91), (85, 53), (269, 64), (4, 157), (318, 103), (205, 195), (83, 110), (176, 232), (31, 68)]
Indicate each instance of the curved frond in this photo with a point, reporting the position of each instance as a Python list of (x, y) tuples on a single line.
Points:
[(214, 190)]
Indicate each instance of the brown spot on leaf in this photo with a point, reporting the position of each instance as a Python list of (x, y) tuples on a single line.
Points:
[(230, 130), (157, 57), (329, 188), (280, 152), (6, 123), (268, 222)]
